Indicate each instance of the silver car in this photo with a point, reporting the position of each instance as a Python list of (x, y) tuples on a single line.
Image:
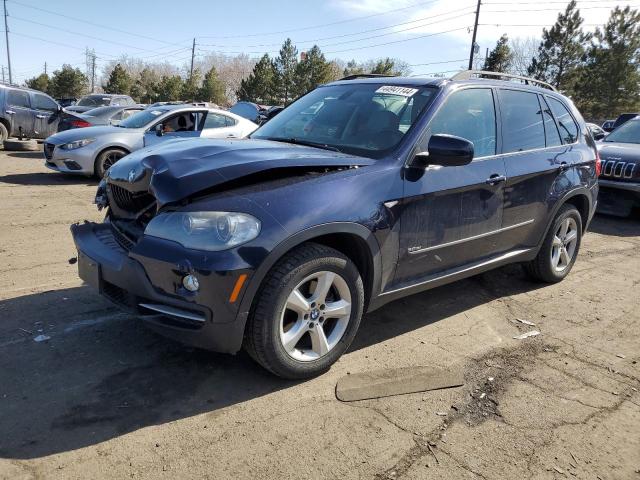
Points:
[(92, 150)]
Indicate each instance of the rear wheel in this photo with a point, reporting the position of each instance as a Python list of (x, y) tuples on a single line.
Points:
[(560, 247), (307, 312), (4, 133), (106, 159)]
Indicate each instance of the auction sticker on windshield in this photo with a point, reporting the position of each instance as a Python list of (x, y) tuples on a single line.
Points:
[(394, 90)]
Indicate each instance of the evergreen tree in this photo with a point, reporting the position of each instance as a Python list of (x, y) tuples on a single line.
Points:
[(286, 64), (385, 66), (500, 58), (561, 51), (119, 81), (41, 82), (191, 87), (352, 68), (610, 79), (67, 82), (213, 90), (145, 88), (169, 88), (260, 85), (312, 71)]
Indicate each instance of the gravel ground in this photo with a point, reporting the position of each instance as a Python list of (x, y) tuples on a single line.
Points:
[(105, 398)]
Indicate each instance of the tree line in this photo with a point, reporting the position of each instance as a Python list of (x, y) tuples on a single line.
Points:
[(600, 71)]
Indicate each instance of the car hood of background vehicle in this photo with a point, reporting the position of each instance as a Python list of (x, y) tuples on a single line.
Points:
[(178, 169), (88, 132), (626, 152)]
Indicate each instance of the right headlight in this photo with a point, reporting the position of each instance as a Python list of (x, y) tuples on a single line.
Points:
[(212, 231), (77, 144)]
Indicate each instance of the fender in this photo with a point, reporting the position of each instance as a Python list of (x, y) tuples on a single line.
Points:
[(308, 234)]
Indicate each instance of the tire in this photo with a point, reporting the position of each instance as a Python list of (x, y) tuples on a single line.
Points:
[(273, 321), (551, 265), (106, 159), (4, 133), (16, 145)]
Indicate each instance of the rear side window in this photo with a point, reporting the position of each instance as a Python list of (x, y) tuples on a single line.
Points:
[(215, 120), (550, 129), (521, 121), (566, 124), (469, 114), (18, 98), (42, 102)]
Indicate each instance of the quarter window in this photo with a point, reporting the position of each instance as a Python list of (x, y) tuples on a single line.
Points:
[(521, 121), (215, 120), (469, 114), (566, 123), (550, 129), (18, 98)]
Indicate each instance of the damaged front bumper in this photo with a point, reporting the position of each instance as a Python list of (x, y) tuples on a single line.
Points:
[(152, 288), (618, 198)]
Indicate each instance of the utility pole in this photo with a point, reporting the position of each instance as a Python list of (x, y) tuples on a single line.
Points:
[(45, 68), (6, 33), (93, 72), (473, 40), (193, 54), (2, 73)]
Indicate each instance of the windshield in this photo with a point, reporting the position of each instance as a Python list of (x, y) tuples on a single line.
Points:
[(93, 101), (361, 119), (627, 133), (143, 118)]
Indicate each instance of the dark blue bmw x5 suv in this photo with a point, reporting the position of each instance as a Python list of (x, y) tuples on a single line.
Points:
[(361, 192)]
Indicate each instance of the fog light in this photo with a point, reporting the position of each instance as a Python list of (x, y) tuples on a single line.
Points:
[(191, 283)]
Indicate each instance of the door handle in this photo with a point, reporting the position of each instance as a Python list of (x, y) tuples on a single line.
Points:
[(495, 179), (41, 116), (10, 112), (563, 167)]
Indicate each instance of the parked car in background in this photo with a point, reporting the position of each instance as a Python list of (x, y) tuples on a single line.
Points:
[(97, 116), (624, 118), (597, 132), (92, 150), (620, 178), (361, 192), (268, 114), (94, 100), (27, 113), (249, 110), (66, 102), (607, 125)]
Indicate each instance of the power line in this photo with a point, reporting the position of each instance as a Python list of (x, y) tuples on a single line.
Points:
[(436, 63), (608, 7)]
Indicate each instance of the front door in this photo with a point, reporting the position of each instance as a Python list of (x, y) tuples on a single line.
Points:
[(46, 115), (452, 216), (19, 109)]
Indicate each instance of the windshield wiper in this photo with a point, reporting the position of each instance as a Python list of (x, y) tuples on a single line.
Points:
[(307, 143)]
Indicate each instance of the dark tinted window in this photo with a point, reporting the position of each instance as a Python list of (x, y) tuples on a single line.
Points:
[(550, 128), (42, 102), (566, 123), (18, 98), (469, 114), (521, 121)]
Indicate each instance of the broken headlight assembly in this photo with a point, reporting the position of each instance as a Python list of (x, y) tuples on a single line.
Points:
[(212, 231), (77, 144)]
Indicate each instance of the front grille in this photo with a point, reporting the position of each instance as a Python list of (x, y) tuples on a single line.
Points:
[(618, 169), (123, 240), (130, 201), (48, 150)]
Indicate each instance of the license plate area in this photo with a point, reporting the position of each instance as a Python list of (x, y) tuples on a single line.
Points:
[(89, 270)]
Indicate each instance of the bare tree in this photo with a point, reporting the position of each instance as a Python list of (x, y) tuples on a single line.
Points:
[(523, 50)]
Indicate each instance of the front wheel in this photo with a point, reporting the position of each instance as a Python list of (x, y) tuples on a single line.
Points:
[(106, 159), (307, 312), (560, 247)]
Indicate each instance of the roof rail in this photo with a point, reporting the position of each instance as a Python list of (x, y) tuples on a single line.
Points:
[(468, 74), (365, 75)]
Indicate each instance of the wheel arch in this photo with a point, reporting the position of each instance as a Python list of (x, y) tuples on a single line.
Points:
[(108, 147), (352, 239), (579, 198)]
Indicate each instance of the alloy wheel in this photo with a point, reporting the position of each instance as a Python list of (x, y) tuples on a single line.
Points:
[(564, 244), (110, 159), (315, 316)]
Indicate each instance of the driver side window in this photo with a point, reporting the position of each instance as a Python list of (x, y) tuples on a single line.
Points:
[(469, 114)]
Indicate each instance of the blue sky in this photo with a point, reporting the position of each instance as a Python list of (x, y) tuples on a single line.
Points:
[(426, 34)]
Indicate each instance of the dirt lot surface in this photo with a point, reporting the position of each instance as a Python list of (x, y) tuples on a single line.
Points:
[(105, 398)]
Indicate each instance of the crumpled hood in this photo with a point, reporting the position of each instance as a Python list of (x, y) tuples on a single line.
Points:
[(88, 132), (626, 152), (177, 169)]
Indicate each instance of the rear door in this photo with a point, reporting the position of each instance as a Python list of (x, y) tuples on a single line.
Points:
[(47, 115), (452, 216), (19, 109), (536, 160), (173, 127), (217, 125)]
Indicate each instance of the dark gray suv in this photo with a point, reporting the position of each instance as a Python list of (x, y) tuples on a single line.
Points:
[(27, 113)]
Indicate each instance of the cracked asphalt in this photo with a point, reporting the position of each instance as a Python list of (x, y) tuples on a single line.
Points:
[(105, 398)]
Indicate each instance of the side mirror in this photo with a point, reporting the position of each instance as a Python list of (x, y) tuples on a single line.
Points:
[(599, 136), (159, 130), (445, 150)]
